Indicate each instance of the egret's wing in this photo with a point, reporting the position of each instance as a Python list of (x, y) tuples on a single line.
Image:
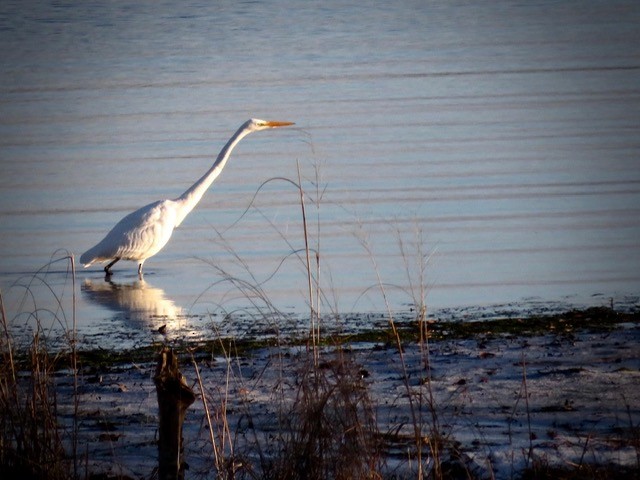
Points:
[(138, 236)]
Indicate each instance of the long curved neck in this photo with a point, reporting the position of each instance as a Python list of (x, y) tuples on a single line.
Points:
[(189, 199)]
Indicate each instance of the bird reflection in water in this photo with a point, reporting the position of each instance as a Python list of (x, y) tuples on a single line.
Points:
[(138, 302)]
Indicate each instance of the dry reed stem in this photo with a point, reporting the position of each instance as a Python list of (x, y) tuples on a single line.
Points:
[(314, 315), (216, 456)]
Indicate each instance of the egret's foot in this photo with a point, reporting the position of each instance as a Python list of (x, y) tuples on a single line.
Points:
[(107, 269)]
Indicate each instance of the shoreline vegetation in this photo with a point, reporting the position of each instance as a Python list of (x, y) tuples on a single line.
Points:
[(594, 319), (540, 397)]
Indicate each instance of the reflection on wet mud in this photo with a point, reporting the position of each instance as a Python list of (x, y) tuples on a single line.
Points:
[(138, 301)]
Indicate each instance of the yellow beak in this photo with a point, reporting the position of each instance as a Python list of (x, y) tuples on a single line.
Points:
[(278, 124)]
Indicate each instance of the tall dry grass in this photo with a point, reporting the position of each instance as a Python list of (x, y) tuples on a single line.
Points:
[(331, 425), (31, 438), (329, 429)]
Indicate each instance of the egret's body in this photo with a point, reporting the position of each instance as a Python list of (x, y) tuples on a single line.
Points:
[(143, 233)]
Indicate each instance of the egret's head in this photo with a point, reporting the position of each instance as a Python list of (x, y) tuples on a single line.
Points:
[(256, 124)]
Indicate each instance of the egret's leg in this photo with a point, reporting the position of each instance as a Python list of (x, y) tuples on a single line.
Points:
[(107, 269), (140, 269)]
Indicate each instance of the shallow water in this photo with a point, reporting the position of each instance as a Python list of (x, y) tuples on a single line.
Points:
[(486, 155)]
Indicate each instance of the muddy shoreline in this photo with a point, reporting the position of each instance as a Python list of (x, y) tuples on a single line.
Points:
[(594, 319), (505, 398)]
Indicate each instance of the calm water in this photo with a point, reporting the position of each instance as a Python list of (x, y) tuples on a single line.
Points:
[(486, 151)]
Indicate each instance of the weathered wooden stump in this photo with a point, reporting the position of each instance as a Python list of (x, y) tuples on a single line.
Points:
[(174, 397)]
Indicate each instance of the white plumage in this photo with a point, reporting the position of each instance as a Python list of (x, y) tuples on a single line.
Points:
[(143, 233)]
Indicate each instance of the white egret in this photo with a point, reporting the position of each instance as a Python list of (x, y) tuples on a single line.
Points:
[(143, 233)]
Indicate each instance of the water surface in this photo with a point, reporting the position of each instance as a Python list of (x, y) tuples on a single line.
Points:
[(469, 154)]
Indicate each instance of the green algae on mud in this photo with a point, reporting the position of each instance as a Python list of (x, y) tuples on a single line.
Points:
[(591, 319), (597, 319)]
